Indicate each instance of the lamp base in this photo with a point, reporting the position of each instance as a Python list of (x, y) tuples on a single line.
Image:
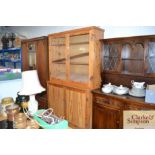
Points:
[(32, 105)]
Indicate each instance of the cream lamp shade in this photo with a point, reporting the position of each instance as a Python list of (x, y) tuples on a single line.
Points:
[(30, 83), (31, 86)]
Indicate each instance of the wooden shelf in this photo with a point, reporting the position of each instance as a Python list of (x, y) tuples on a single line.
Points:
[(59, 60), (75, 63), (72, 63), (79, 55), (72, 57), (79, 43), (133, 59), (110, 57), (57, 44), (124, 58), (133, 74), (60, 76), (79, 77)]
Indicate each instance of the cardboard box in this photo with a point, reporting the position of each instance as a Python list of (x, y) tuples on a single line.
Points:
[(151, 87), (150, 96)]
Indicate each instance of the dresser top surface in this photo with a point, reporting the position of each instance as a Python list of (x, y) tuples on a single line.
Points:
[(123, 97)]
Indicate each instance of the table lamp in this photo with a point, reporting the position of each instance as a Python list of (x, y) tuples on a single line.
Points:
[(31, 86)]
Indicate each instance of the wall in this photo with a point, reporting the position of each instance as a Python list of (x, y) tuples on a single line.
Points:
[(10, 88), (110, 31)]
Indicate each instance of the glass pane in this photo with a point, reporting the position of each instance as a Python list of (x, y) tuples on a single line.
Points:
[(79, 73), (58, 71), (133, 58), (32, 56), (126, 51), (151, 58), (79, 39), (132, 66), (138, 52), (79, 58), (133, 52), (58, 67), (111, 57), (58, 48), (79, 44)]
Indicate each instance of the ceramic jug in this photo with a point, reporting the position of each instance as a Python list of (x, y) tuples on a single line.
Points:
[(139, 85)]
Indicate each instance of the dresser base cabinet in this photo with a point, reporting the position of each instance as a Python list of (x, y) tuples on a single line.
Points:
[(107, 113), (74, 104), (108, 109)]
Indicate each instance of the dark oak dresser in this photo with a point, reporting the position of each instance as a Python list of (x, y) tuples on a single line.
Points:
[(108, 109), (123, 60)]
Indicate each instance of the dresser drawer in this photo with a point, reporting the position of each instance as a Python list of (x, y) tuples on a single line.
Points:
[(137, 107), (109, 102)]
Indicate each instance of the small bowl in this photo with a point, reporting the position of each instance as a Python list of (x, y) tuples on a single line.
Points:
[(120, 90), (107, 90)]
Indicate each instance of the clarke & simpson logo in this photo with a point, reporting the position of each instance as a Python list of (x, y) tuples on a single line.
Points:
[(139, 119)]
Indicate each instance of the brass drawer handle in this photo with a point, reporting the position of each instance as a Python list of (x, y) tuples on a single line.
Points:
[(98, 100)]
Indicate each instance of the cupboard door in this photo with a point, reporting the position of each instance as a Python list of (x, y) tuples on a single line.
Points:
[(106, 118), (57, 58), (56, 100), (41, 60), (133, 55), (111, 57), (24, 56), (79, 58), (76, 103)]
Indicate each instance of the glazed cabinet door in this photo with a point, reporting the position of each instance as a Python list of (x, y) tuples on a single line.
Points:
[(79, 57), (29, 55), (57, 57), (56, 100), (150, 59), (106, 118), (76, 107)]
